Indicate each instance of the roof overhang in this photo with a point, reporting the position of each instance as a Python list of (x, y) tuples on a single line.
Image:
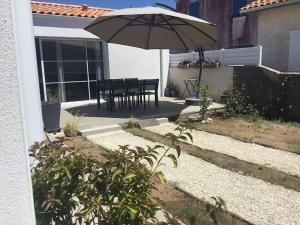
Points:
[(270, 6)]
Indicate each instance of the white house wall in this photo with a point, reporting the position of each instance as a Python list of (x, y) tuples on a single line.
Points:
[(16, 111), (119, 61), (129, 62), (274, 27)]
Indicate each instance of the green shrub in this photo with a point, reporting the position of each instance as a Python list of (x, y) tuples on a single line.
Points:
[(205, 101), (237, 103), (72, 188)]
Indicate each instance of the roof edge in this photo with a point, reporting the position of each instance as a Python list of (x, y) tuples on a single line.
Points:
[(270, 6)]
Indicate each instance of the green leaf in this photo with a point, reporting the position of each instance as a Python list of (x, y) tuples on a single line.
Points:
[(129, 175), (173, 158), (190, 136), (178, 150), (160, 176), (116, 173), (132, 211), (67, 172), (150, 161)]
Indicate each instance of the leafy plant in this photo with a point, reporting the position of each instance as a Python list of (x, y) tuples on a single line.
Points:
[(70, 128), (205, 101), (237, 103), (52, 96), (188, 214), (73, 188)]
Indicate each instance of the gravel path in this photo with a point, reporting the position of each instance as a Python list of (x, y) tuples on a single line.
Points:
[(281, 160), (254, 200)]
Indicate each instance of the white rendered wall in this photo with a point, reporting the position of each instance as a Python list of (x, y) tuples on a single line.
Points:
[(218, 79), (294, 51), (20, 112), (129, 62)]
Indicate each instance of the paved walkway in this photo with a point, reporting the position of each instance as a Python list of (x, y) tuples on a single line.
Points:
[(254, 200), (281, 160)]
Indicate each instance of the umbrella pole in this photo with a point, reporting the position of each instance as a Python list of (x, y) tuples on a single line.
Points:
[(201, 59)]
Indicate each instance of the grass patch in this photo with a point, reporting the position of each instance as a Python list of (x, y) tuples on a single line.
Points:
[(224, 161)]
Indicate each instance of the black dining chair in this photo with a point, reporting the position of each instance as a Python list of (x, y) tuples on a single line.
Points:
[(132, 92), (118, 92), (104, 91), (150, 87)]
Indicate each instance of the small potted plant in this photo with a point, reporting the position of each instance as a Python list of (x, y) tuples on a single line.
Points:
[(172, 90), (212, 63), (185, 64), (51, 113)]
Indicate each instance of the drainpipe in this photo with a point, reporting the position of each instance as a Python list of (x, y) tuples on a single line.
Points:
[(161, 56)]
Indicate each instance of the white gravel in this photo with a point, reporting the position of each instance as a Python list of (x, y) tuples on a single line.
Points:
[(252, 199), (279, 159)]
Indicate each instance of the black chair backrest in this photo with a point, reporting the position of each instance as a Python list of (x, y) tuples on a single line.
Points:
[(151, 84), (104, 85), (132, 84), (118, 86)]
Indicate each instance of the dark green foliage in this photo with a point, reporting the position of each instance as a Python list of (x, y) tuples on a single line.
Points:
[(237, 104), (72, 188), (205, 100)]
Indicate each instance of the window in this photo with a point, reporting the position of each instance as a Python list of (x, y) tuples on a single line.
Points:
[(236, 6), (70, 68), (194, 9)]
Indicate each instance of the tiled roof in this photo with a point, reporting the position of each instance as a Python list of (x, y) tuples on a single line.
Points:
[(258, 4), (67, 10)]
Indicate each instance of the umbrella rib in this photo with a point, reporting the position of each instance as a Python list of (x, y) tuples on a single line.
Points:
[(174, 32), (196, 28), (93, 24), (150, 29), (122, 28)]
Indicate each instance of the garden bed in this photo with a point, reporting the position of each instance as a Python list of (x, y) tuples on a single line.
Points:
[(178, 203), (280, 135)]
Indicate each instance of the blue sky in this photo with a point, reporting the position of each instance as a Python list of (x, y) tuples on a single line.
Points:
[(116, 4)]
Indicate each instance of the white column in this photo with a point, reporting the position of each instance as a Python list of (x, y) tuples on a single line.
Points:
[(20, 112), (27, 62)]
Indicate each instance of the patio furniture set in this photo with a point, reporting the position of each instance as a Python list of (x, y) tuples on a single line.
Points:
[(127, 92)]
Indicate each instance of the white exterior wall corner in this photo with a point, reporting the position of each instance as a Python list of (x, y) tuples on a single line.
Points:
[(16, 201), (273, 33)]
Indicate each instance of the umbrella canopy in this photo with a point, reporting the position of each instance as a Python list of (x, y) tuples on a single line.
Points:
[(153, 28)]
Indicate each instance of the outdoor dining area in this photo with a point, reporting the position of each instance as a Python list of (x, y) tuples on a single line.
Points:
[(127, 93)]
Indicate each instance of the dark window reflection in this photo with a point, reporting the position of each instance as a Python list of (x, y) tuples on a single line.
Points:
[(75, 71), (93, 89), (73, 50), (50, 50)]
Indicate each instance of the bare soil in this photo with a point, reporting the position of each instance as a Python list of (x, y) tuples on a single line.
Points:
[(176, 202), (168, 196), (284, 136), (267, 174)]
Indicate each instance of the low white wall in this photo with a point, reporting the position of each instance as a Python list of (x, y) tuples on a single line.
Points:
[(130, 62), (218, 79)]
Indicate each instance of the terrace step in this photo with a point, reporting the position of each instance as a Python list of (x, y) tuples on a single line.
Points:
[(116, 127), (100, 130)]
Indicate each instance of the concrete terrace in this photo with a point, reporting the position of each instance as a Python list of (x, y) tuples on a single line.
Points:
[(89, 118)]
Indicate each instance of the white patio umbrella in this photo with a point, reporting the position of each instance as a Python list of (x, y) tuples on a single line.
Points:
[(155, 28)]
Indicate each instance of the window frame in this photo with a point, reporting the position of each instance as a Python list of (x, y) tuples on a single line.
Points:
[(99, 72)]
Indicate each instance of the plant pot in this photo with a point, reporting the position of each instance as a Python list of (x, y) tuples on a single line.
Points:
[(51, 116)]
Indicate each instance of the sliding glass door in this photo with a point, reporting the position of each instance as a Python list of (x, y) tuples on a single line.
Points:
[(70, 68)]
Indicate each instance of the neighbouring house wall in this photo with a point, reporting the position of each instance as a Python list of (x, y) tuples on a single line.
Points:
[(129, 62), (218, 79), (294, 51), (16, 110), (274, 26), (265, 88)]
